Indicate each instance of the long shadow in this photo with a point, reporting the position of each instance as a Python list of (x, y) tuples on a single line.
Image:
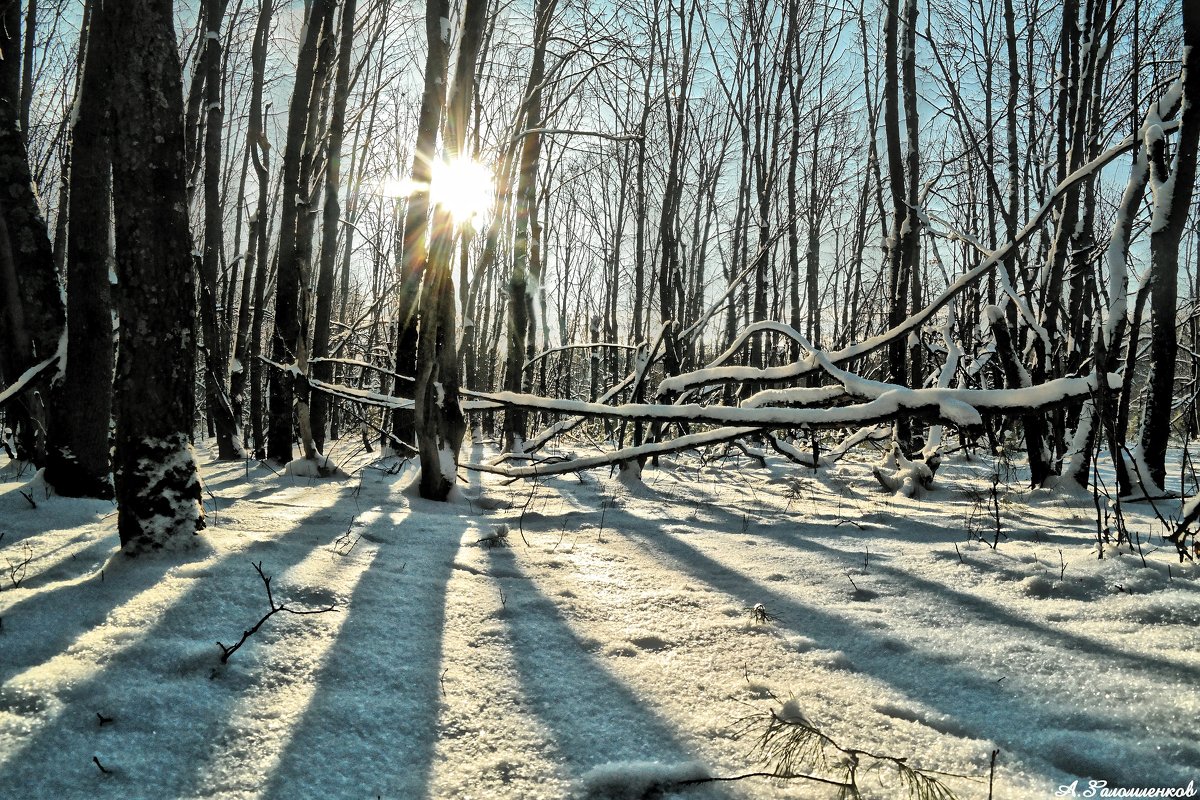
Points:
[(73, 607), (989, 611), (984, 609), (371, 726), (976, 704), (595, 718), (138, 686)]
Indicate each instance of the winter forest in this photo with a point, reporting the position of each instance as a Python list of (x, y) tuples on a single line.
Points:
[(599, 398)]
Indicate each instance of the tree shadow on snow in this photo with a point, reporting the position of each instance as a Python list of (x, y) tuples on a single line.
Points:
[(970, 704), (371, 726), (144, 655), (593, 716), (990, 612)]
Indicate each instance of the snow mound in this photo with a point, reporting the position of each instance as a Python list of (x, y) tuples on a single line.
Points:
[(318, 467), (631, 780)]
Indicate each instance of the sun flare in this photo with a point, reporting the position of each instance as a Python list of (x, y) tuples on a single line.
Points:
[(461, 187)]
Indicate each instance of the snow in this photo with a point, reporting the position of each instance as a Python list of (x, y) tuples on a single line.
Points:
[(607, 650), (884, 400), (637, 779), (26, 378)]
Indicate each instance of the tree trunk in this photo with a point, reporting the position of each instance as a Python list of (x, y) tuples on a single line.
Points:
[(1172, 186), (329, 227), (216, 361), (898, 267), (31, 311), (27, 66), (439, 417), (285, 341), (520, 324), (79, 464), (413, 249), (157, 487)]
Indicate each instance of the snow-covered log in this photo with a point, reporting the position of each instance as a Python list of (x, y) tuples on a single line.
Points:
[(899, 475)]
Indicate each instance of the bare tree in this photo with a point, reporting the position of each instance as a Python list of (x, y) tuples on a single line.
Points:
[(286, 341), (79, 463), (1172, 185), (31, 312), (439, 417), (157, 486)]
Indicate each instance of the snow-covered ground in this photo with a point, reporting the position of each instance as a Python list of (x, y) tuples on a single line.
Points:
[(617, 627)]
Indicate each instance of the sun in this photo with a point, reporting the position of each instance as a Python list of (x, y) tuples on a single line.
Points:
[(462, 187)]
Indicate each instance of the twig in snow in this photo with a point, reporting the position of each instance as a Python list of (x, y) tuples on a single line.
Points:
[(103, 719), (796, 748), (226, 652), (345, 543), (17, 570), (760, 616), (603, 512), (96, 761), (521, 519), (498, 538)]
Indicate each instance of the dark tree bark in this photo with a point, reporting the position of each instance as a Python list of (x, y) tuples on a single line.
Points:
[(31, 16), (285, 340), (520, 325), (323, 370), (910, 234), (79, 464), (899, 269), (439, 417), (157, 483), (306, 221), (675, 102), (249, 342), (31, 311), (1173, 186), (216, 360), (413, 250)]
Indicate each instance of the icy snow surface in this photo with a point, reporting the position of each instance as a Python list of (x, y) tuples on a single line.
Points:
[(610, 646)]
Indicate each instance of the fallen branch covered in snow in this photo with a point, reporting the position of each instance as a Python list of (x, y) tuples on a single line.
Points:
[(27, 377), (884, 402), (899, 475), (807, 408), (689, 442)]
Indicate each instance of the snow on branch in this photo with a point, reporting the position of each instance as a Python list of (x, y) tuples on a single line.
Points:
[(963, 407), (27, 377), (645, 357), (786, 372), (689, 442)]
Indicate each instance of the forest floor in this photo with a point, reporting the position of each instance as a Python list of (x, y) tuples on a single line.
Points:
[(612, 640)]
